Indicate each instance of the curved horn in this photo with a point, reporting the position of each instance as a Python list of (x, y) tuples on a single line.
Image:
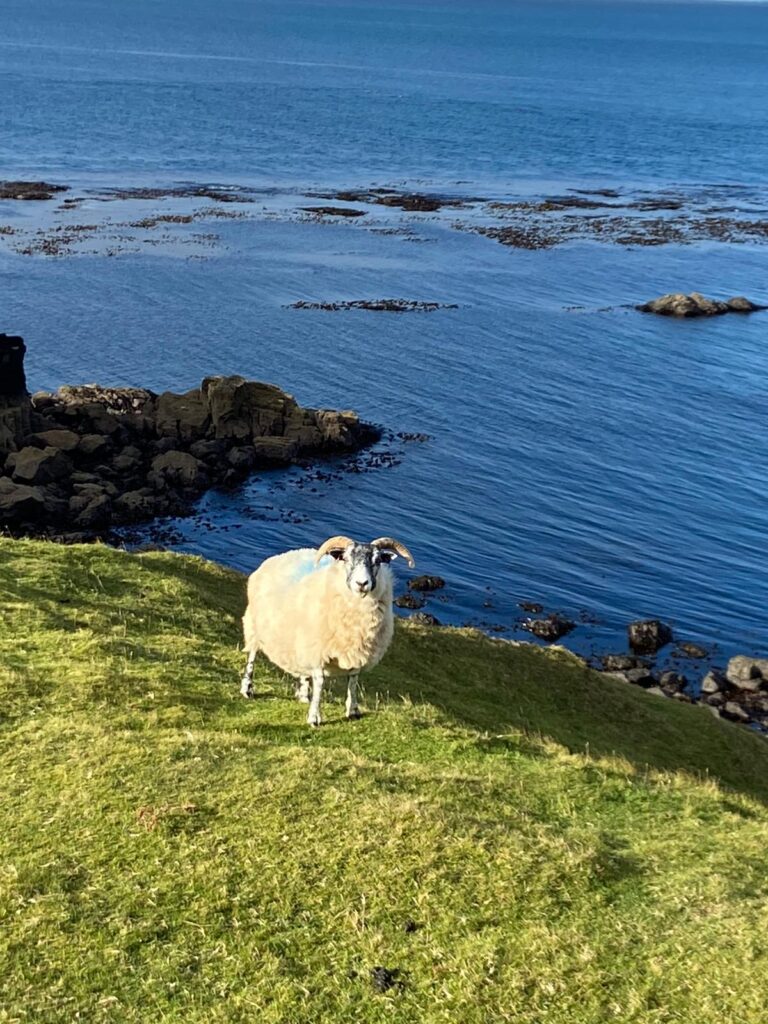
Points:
[(401, 549), (331, 544)]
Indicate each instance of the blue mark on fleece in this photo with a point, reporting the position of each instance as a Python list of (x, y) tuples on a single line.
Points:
[(306, 566)]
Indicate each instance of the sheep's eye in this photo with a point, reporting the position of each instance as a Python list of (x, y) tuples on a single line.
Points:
[(386, 556)]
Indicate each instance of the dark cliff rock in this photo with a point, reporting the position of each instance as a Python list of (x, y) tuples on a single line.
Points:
[(88, 458)]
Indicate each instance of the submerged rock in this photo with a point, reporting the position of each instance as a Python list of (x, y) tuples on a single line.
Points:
[(747, 673), (426, 583)]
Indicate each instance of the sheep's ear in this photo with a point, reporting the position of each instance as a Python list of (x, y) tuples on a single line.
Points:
[(337, 554)]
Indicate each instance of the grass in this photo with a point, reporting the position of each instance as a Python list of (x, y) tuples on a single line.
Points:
[(521, 839)]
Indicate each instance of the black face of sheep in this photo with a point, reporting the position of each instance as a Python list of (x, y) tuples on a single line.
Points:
[(363, 561)]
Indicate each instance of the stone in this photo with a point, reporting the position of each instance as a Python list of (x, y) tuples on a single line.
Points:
[(242, 459), (639, 677), (208, 450), (713, 682), (125, 463), (747, 673), (182, 469), (409, 601), (426, 583), (20, 503), (686, 649), (621, 662), (656, 691), (40, 465), (64, 440), (549, 629), (96, 515), (134, 506), (94, 446), (242, 409), (740, 304), (647, 636), (735, 712), (424, 619), (672, 681), (184, 416)]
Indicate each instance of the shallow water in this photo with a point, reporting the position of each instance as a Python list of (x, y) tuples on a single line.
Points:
[(595, 460)]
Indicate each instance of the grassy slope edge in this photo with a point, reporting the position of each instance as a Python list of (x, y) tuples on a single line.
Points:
[(567, 849)]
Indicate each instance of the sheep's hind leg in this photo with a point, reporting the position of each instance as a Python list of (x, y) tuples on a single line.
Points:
[(353, 711), (302, 690), (246, 683), (313, 717)]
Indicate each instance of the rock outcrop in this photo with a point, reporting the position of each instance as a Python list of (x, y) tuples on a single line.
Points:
[(696, 304), (88, 458)]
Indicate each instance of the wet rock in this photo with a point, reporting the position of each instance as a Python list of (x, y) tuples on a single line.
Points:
[(376, 305), (696, 304), (426, 583), (208, 450), (648, 636), (333, 211), (274, 451), (686, 649), (242, 459), (639, 677), (715, 699), (747, 673), (424, 619), (40, 465), (551, 628), (532, 607), (409, 601)]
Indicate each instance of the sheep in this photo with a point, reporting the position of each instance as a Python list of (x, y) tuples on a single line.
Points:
[(324, 612)]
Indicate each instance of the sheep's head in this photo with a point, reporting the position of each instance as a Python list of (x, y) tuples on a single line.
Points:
[(362, 562)]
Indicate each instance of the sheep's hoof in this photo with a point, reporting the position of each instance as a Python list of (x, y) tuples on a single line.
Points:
[(314, 720), (246, 690), (302, 698), (354, 714)]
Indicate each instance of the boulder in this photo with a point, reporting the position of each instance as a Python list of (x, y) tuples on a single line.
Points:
[(409, 601), (747, 673), (96, 515), (621, 662), (134, 506), (549, 629), (713, 682), (424, 619), (672, 682), (686, 649), (94, 446), (274, 450), (647, 636), (734, 711), (40, 465), (740, 304), (185, 417), (181, 469), (208, 450), (20, 503), (64, 440), (426, 583)]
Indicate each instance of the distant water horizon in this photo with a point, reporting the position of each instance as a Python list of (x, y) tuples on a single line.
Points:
[(607, 464)]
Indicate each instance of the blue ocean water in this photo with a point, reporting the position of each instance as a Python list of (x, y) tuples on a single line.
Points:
[(594, 460)]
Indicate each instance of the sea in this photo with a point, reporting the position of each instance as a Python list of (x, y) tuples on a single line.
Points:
[(569, 450)]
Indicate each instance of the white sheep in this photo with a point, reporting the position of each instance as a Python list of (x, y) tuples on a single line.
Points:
[(322, 612)]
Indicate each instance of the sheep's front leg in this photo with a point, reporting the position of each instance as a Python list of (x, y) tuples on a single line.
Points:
[(353, 711), (302, 690), (313, 717), (246, 683)]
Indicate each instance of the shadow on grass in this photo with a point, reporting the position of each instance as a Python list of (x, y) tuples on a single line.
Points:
[(549, 696)]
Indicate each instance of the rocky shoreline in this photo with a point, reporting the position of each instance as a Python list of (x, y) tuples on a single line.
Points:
[(76, 463)]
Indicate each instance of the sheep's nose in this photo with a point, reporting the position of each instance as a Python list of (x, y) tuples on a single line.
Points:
[(362, 587)]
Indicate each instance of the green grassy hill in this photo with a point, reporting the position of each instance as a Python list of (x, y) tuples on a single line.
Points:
[(521, 839)]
